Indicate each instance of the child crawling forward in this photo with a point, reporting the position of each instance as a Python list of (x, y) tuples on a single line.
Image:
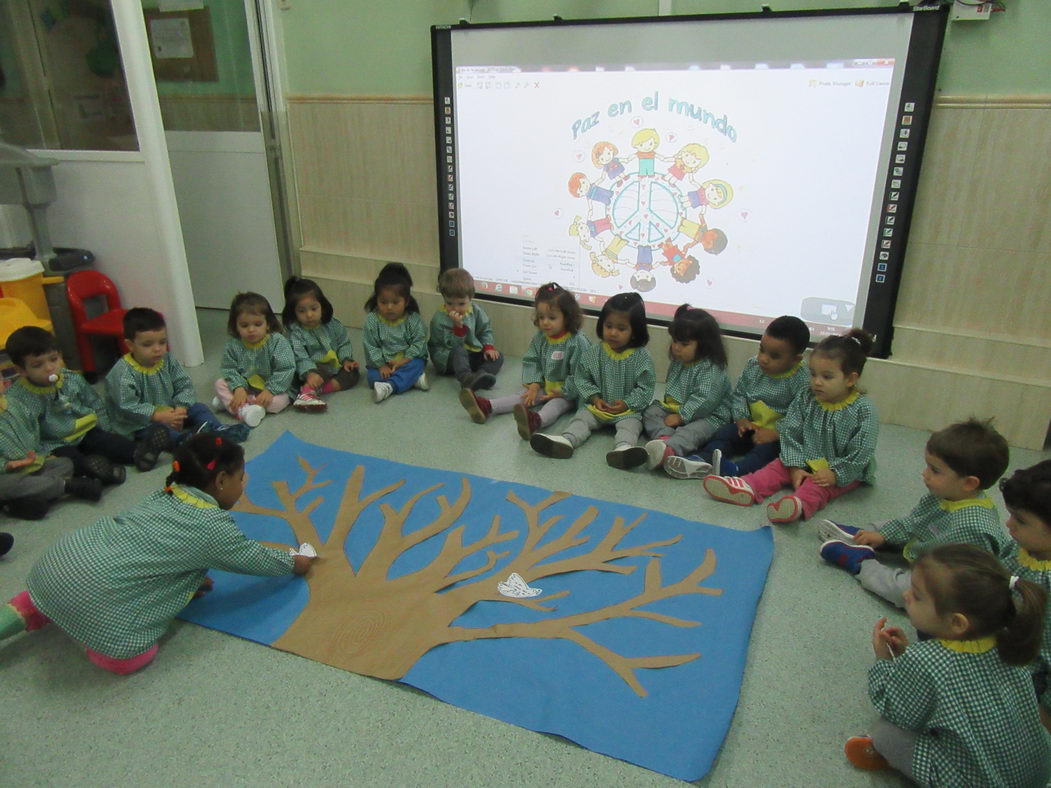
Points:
[(117, 585)]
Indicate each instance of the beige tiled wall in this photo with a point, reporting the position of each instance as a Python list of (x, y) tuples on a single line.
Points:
[(973, 323)]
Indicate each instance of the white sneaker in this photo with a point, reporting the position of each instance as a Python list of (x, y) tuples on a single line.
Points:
[(422, 383), (682, 468), (381, 390), (217, 404), (655, 453), (251, 414)]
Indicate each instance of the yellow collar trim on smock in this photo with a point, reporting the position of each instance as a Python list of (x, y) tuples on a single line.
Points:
[(843, 403), (194, 497), (139, 368), (617, 355), (256, 345), (1026, 560), (565, 335), (955, 506), (445, 309), (397, 322), (979, 646), (787, 373), (50, 388)]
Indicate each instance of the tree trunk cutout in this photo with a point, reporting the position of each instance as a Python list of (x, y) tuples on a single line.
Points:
[(360, 619)]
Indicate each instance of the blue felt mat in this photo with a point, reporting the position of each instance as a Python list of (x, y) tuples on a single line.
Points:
[(664, 591)]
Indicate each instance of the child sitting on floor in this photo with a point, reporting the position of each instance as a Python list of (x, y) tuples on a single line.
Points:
[(29, 480), (1027, 494), (614, 383), (461, 340), (149, 386), (258, 364), (960, 462), (828, 439), (394, 336), (72, 417), (552, 356), (116, 586), (323, 353), (696, 391), (959, 709), (769, 383)]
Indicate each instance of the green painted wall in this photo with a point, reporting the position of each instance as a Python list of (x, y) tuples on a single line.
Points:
[(368, 47)]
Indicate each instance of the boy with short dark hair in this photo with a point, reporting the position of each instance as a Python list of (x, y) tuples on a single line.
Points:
[(72, 417), (962, 460), (30, 481), (461, 340), (148, 386)]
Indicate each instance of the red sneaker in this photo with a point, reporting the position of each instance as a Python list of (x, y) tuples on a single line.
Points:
[(479, 408), (861, 753)]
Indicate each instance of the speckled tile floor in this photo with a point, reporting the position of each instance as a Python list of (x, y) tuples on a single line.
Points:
[(216, 710)]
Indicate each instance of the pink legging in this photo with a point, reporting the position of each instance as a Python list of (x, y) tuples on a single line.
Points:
[(774, 475), (222, 390), (34, 619)]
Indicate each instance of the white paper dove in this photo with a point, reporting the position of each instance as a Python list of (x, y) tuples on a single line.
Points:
[(306, 549), (515, 586)]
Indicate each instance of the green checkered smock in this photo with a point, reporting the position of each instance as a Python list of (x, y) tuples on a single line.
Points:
[(19, 435), (385, 341), (697, 391), (934, 522), (326, 344), (116, 585), (269, 364), (550, 362), (614, 375), (1022, 564), (763, 398), (843, 434), (66, 410), (442, 341), (976, 717), (135, 392)]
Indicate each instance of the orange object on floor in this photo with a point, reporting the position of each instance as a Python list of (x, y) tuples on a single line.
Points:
[(862, 754), (85, 285)]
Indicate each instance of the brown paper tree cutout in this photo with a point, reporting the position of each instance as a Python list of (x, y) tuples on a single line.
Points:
[(362, 620)]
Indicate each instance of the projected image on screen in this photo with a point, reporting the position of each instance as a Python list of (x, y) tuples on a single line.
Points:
[(674, 183), (738, 165)]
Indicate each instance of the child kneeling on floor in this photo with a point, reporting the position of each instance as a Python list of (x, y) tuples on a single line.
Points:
[(117, 585), (959, 709), (960, 463), (828, 439)]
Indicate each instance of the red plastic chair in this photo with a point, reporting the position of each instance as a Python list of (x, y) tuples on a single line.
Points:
[(86, 285)]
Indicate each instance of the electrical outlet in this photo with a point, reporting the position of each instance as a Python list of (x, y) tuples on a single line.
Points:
[(968, 12)]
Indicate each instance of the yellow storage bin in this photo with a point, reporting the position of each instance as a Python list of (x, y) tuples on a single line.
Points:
[(23, 279), (13, 315)]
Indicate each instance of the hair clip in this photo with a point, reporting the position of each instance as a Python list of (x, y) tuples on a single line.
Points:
[(168, 489), (219, 442), (211, 465), (854, 338), (1012, 583), (175, 466)]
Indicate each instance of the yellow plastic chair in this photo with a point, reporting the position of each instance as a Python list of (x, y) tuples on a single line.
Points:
[(14, 314)]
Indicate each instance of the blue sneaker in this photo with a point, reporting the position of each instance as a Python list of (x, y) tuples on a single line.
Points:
[(828, 530), (237, 433), (846, 556)]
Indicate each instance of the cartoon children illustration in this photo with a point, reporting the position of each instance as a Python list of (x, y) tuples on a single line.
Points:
[(713, 241), (645, 143), (580, 186), (604, 156), (683, 268), (713, 193), (690, 158)]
